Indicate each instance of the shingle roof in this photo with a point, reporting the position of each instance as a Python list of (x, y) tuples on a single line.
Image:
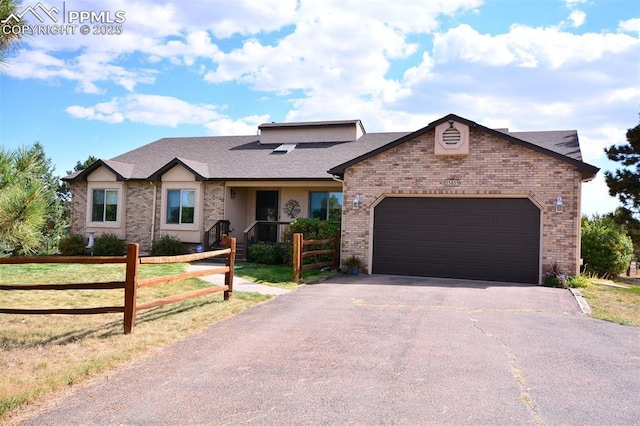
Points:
[(244, 157), (240, 157), (562, 144)]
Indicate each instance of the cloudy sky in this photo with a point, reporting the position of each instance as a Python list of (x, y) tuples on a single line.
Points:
[(174, 68)]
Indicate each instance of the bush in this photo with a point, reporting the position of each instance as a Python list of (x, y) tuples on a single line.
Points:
[(109, 244), (606, 247), (72, 245), (578, 281), (312, 229), (266, 253), (167, 245)]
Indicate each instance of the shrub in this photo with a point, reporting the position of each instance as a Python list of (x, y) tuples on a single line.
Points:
[(555, 278), (72, 245), (606, 247), (167, 245), (578, 281), (109, 244), (266, 253), (312, 229)]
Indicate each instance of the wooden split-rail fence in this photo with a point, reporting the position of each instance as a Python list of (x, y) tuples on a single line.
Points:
[(131, 284), (299, 254)]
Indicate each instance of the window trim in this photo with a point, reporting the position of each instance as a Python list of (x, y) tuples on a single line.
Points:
[(197, 210), (181, 206), (105, 186)]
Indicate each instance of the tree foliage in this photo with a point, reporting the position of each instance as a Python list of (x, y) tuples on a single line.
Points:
[(606, 247), (8, 38), (624, 183), (30, 212)]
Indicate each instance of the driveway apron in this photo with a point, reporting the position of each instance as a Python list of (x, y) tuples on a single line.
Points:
[(382, 350)]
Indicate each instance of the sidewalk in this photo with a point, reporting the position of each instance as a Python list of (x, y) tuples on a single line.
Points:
[(239, 283)]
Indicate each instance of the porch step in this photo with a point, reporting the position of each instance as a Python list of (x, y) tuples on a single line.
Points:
[(239, 250)]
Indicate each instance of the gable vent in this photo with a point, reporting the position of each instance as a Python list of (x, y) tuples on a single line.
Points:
[(284, 148), (451, 136)]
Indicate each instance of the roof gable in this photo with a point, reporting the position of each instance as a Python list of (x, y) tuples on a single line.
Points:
[(200, 170), (122, 171), (588, 171)]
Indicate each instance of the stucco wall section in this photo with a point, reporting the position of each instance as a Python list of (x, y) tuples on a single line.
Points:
[(139, 207), (493, 168)]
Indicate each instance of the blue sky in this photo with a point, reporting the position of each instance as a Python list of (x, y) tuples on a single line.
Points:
[(224, 67)]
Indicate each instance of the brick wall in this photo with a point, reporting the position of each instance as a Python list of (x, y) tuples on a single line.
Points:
[(139, 207), (79, 208), (213, 203), (493, 168), (139, 210)]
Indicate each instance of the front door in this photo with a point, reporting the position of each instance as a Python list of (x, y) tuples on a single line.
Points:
[(267, 209)]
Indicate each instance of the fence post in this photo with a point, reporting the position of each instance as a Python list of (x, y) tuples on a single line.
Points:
[(297, 257), (230, 262), (131, 287), (336, 251)]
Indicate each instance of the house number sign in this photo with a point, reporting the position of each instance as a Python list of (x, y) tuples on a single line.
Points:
[(452, 182)]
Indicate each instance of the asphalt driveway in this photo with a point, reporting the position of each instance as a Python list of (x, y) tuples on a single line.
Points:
[(383, 350)]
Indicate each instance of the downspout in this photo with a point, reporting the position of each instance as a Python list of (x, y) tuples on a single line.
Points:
[(153, 211)]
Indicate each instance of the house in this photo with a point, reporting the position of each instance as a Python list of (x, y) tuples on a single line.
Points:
[(453, 199)]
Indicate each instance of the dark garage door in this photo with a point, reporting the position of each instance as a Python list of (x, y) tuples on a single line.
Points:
[(493, 239)]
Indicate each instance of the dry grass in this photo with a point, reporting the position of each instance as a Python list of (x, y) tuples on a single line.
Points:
[(619, 305), (44, 353)]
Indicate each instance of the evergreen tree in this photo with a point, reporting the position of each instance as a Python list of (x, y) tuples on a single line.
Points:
[(31, 215), (9, 38), (625, 182)]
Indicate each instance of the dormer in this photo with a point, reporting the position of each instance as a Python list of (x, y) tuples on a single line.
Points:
[(452, 138), (310, 132)]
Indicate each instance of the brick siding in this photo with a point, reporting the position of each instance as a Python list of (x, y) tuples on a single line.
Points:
[(493, 168)]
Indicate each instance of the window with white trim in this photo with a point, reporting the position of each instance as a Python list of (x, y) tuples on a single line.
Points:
[(104, 205), (181, 206)]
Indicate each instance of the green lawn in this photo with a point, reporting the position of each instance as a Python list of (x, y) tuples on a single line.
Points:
[(276, 275)]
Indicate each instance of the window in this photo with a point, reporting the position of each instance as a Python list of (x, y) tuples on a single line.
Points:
[(326, 206), (104, 207), (181, 205)]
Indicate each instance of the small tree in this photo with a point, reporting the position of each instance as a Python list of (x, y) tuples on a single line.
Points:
[(606, 247)]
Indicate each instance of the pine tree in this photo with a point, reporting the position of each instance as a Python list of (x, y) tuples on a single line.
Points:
[(625, 182)]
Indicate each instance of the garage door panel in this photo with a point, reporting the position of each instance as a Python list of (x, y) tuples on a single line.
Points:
[(474, 238)]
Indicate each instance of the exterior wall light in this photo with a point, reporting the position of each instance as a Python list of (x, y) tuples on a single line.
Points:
[(559, 205), (356, 201), (233, 193)]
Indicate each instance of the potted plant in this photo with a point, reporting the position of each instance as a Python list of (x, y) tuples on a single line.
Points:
[(353, 264), (224, 240)]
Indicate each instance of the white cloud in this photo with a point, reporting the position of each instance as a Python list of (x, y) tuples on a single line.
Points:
[(528, 47), (242, 126), (86, 69), (577, 18), (596, 198), (630, 25), (148, 109), (573, 3)]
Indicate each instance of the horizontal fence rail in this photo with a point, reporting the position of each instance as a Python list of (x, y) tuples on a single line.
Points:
[(299, 254), (131, 283)]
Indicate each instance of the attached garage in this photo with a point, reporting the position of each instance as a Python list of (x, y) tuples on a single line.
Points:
[(456, 199), (495, 239)]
